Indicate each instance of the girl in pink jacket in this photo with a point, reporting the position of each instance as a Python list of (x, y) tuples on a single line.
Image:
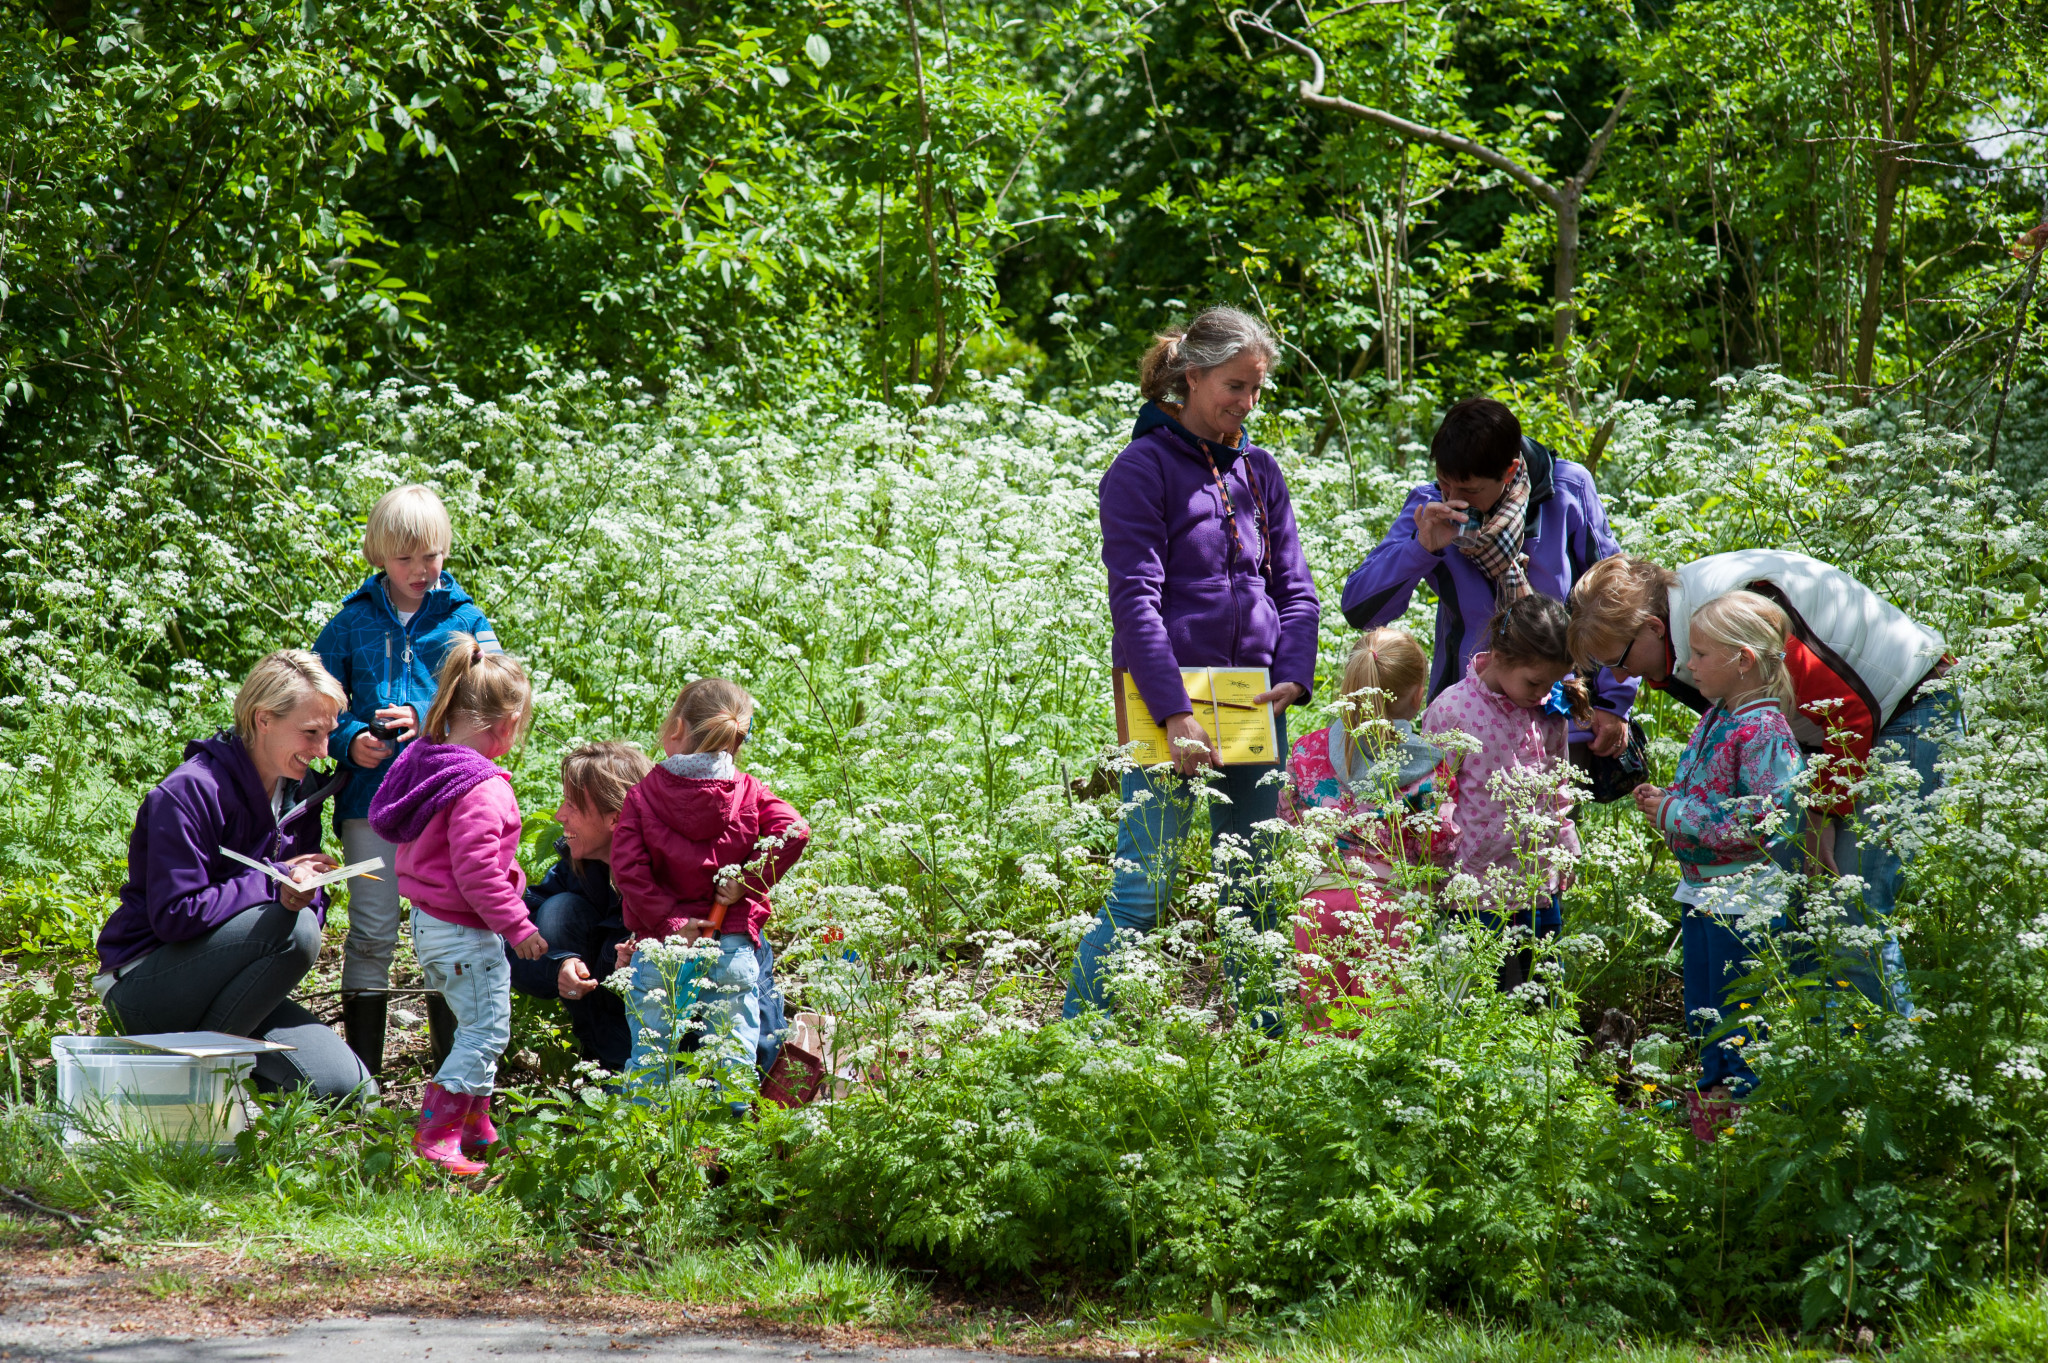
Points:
[(698, 845), (1515, 832), (449, 807)]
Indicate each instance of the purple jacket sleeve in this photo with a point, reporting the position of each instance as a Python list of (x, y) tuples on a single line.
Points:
[(1616, 697), (1133, 500), (1379, 590), (183, 899), (1293, 591)]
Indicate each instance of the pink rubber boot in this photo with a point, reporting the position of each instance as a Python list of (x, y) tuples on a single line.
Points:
[(478, 1135), (439, 1136)]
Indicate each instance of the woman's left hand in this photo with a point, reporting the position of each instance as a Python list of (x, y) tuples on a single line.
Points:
[(302, 868), (1281, 696)]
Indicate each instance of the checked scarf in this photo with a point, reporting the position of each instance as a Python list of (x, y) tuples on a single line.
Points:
[(1496, 547)]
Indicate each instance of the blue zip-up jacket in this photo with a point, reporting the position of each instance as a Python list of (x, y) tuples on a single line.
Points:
[(382, 662)]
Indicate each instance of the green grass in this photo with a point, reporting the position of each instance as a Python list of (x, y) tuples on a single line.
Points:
[(308, 1193), (781, 1281)]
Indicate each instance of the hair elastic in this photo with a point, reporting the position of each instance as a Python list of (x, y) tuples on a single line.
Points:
[(476, 654)]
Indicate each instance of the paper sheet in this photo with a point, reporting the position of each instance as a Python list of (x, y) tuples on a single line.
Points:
[(319, 882), (1241, 731)]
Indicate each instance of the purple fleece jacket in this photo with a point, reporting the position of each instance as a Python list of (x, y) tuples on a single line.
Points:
[(426, 779), (1566, 533), (1180, 593), (179, 885)]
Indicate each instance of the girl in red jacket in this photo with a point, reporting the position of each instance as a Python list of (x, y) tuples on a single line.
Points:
[(698, 845)]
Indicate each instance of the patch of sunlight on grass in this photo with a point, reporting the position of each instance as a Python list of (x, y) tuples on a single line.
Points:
[(1994, 1326), (431, 1229), (782, 1281)]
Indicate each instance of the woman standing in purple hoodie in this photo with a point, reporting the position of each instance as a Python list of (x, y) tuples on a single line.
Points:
[(1205, 570)]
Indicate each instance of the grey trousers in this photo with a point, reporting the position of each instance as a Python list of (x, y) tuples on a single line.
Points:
[(373, 915), (237, 979)]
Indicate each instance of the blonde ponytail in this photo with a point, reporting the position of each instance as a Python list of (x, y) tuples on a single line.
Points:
[(482, 687), (1385, 664), (1741, 620), (710, 715)]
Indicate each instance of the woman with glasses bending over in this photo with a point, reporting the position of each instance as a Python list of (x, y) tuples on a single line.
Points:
[(1205, 570)]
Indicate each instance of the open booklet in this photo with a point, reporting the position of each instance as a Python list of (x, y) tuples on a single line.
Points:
[(319, 882), (1222, 699)]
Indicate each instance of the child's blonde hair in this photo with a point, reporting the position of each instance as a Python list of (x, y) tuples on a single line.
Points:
[(597, 776), (1741, 620), (710, 713), (482, 686), (280, 684), (1386, 664), (406, 520)]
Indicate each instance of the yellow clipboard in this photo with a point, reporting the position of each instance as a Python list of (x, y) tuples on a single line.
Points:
[(1244, 733)]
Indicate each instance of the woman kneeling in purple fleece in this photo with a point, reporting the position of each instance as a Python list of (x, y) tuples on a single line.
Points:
[(200, 941), (1205, 570)]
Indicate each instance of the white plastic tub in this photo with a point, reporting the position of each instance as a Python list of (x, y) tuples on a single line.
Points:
[(112, 1089)]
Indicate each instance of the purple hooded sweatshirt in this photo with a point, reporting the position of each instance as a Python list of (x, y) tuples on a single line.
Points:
[(1181, 594), (426, 779), (1565, 534), (179, 885)]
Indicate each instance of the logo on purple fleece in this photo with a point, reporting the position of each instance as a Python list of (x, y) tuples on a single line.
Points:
[(426, 779)]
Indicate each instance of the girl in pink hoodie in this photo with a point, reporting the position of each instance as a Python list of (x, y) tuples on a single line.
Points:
[(449, 807), (698, 845)]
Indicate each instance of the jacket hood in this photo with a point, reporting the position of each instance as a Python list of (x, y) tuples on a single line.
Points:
[(232, 766), (1541, 462), (443, 597), (1154, 415), (699, 810), (427, 778)]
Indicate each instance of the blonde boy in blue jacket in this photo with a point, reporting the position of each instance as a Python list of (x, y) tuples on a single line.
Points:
[(385, 646)]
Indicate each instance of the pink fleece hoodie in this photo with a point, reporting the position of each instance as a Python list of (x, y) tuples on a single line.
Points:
[(464, 866)]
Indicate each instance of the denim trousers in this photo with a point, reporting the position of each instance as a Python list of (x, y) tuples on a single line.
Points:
[(1148, 846), (1915, 735), (466, 966), (714, 1001), (1716, 955), (238, 978)]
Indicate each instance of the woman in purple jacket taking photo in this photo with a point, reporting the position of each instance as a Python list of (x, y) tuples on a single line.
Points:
[(202, 942), (1205, 570)]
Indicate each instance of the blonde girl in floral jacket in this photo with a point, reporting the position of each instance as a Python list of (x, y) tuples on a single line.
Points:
[(1385, 797), (1730, 811)]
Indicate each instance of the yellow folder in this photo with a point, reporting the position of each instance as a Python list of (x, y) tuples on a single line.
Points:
[(1222, 699)]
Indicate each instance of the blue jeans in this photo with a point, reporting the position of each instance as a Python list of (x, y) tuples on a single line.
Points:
[(466, 966), (1148, 844), (575, 929), (716, 1002), (1915, 734), (1715, 956)]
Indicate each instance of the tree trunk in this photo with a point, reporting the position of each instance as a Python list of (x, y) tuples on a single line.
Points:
[(1891, 173), (1564, 289)]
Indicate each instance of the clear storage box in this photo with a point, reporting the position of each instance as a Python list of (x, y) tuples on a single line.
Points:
[(109, 1088)]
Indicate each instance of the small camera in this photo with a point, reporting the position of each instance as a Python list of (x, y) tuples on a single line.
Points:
[(385, 733)]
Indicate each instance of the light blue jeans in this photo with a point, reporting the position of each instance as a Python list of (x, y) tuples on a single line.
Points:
[(467, 967), (714, 1003), (1915, 735), (1148, 844)]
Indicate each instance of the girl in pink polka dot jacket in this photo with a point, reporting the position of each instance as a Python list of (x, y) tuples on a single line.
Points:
[(1516, 836)]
